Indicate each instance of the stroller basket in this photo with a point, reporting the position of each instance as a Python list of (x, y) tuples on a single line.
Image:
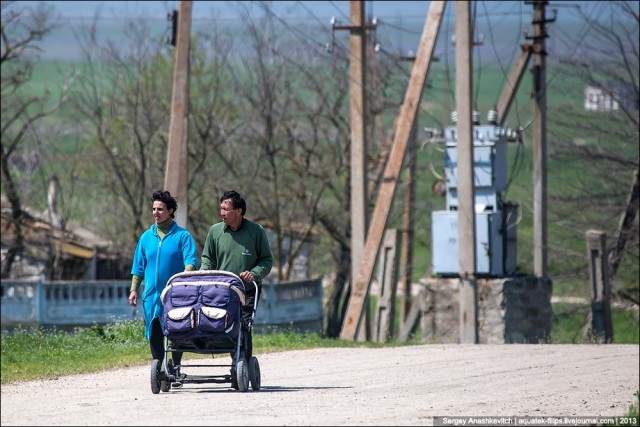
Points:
[(202, 307)]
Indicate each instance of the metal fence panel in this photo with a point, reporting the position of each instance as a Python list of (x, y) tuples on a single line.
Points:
[(295, 305)]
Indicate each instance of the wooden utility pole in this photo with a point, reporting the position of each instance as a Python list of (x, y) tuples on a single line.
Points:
[(466, 192), (419, 72), (515, 77), (177, 166), (540, 240), (358, 106), (408, 221)]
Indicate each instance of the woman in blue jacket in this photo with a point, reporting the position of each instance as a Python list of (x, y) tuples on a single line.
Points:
[(162, 251)]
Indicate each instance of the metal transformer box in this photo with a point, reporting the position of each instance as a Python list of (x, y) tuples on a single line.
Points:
[(489, 174), (495, 242)]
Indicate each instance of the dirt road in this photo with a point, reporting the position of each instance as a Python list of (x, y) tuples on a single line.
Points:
[(390, 386)]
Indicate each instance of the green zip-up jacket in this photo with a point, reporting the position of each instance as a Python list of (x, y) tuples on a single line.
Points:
[(236, 251)]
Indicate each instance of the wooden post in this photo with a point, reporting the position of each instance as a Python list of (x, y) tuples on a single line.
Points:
[(177, 165), (466, 192), (417, 310), (388, 282), (419, 73), (513, 82), (357, 67), (408, 220), (601, 323), (540, 240)]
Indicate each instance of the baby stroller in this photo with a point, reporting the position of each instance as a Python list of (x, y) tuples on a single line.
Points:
[(202, 314)]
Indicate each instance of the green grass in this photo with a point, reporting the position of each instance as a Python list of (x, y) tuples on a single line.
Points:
[(30, 354), (569, 320), (634, 411)]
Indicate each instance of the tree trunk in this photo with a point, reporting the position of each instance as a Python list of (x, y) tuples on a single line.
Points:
[(16, 215)]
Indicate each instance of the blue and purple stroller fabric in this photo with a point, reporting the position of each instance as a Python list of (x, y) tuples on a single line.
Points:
[(201, 304)]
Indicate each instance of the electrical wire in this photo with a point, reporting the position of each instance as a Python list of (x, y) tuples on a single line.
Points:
[(495, 49), (345, 17)]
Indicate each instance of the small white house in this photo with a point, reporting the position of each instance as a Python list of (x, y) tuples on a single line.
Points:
[(599, 99), (611, 97)]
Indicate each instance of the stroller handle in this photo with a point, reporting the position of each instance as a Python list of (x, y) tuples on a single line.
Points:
[(255, 304)]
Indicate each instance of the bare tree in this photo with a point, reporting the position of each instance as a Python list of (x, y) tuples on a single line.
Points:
[(298, 127), (268, 85), (122, 94), (214, 119), (22, 29), (604, 142)]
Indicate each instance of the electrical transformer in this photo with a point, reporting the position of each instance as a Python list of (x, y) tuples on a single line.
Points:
[(495, 220)]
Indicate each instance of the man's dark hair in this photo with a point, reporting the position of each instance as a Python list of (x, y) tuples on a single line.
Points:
[(236, 200), (166, 198)]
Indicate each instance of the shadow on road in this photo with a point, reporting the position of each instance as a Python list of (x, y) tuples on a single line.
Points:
[(263, 389)]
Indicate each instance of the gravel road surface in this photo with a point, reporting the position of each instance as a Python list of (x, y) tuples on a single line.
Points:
[(350, 386)]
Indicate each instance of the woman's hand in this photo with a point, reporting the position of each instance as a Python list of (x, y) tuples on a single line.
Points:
[(133, 299)]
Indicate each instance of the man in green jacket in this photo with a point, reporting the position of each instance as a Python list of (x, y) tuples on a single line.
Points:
[(240, 246)]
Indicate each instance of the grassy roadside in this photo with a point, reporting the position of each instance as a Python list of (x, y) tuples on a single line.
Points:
[(569, 320), (30, 354)]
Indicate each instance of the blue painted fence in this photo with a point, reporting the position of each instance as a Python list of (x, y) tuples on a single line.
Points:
[(294, 305)]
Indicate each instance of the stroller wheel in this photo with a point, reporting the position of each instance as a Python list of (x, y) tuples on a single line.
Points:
[(254, 373), (242, 375), (155, 376), (165, 385), (234, 379)]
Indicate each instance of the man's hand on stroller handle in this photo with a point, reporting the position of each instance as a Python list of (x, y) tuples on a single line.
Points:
[(247, 276)]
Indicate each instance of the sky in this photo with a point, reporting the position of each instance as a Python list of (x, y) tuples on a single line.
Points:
[(75, 14), (500, 23), (404, 18), (228, 9)]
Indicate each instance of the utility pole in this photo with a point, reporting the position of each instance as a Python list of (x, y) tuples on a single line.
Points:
[(540, 241), (358, 105), (177, 166), (513, 82), (466, 191), (358, 108), (408, 220), (419, 73)]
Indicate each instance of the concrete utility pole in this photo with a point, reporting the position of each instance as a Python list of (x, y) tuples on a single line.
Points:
[(466, 191), (177, 166), (358, 106), (540, 240), (419, 72)]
